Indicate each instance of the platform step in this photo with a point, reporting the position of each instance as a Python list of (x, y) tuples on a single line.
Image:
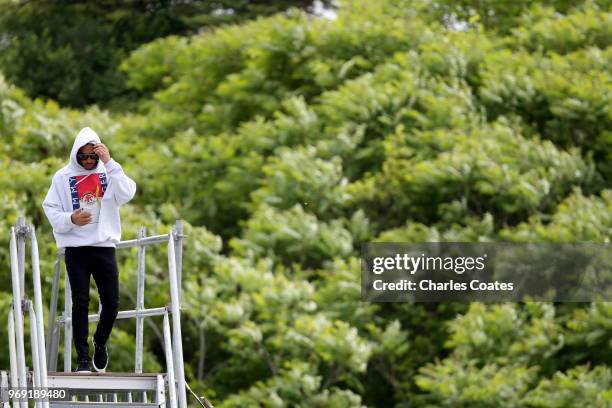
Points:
[(103, 381), (108, 389), (70, 404)]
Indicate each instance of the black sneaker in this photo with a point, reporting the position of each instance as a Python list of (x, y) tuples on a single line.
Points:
[(100, 357), (83, 365)]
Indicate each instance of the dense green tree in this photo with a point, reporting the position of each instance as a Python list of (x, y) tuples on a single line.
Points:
[(74, 56), (502, 16), (287, 142)]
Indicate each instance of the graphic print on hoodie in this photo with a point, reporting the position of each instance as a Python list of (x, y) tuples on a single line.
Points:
[(87, 192)]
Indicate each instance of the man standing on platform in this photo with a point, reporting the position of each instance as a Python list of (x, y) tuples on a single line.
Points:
[(82, 206)]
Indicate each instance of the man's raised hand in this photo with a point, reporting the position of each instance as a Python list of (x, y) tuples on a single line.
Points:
[(102, 151)]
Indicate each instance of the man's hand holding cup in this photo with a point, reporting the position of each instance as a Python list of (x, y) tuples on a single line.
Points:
[(81, 217)]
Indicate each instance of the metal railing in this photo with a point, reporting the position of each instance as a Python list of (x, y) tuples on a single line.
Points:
[(45, 354), (19, 373)]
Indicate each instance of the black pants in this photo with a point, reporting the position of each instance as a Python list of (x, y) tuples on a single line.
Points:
[(101, 262)]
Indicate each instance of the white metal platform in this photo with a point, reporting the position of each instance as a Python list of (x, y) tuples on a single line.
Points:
[(94, 389)]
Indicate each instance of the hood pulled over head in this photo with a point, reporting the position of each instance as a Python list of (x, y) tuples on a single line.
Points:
[(85, 136)]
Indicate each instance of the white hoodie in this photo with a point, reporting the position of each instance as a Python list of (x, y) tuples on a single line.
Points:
[(100, 191)]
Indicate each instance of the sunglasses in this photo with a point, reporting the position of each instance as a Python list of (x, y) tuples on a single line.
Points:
[(85, 156)]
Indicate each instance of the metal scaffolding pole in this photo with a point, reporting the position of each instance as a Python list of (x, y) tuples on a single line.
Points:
[(177, 343), (124, 314), (155, 239), (12, 348), (20, 232), (36, 374), (169, 363), (18, 316), (68, 325), (140, 302), (38, 309), (178, 256), (52, 327)]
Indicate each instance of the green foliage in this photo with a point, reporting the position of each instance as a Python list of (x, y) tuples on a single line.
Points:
[(457, 55), (544, 29), (502, 16), (363, 112), (5, 302), (297, 176), (576, 219), (293, 236), (505, 335), (555, 93), (579, 386), (464, 384), (36, 129), (218, 78), (286, 142), (509, 346), (337, 293), (492, 170), (75, 56), (295, 386), (590, 329), (121, 351)]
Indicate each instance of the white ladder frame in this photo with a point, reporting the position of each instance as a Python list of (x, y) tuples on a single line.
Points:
[(44, 354)]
